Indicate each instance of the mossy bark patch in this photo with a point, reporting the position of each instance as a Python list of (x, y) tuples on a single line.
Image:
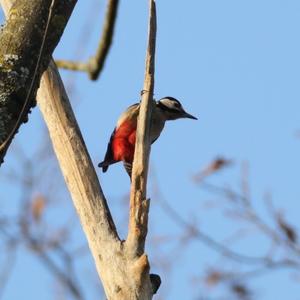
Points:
[(20, 44)]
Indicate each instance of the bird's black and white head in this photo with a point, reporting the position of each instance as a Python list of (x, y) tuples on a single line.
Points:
[(172, 109)]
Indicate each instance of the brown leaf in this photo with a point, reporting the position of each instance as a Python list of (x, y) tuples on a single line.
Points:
[(213, 277), (38, 207), (217, 164)]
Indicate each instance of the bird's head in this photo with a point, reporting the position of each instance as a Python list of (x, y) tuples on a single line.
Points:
[(172, 109)]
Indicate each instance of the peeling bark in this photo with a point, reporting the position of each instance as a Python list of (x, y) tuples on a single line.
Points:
[(20, 45)]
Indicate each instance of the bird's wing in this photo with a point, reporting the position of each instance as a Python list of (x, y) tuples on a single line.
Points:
[(154, 140), (129, 114), (108, 159)]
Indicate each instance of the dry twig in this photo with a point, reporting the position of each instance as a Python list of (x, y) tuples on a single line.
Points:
[(95, 64)]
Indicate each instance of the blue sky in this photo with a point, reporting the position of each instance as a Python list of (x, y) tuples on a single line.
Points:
[(233, 64)]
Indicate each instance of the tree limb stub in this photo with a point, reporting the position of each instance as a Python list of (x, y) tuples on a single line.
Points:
[(20, 43)]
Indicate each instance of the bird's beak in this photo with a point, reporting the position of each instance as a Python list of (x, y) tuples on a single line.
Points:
[(189, 116)]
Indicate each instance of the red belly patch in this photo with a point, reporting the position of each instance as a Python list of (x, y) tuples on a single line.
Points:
[(123, 150), (123, 143)]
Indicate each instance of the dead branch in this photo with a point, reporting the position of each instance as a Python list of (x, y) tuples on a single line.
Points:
[(95, 64), (202, 236), (139, 205), (65, 278), (79, 173), (7, 268)]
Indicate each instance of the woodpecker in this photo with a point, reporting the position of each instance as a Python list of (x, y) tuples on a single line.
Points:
[(122, 141)]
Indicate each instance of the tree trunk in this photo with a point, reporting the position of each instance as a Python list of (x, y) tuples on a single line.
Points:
[(20, 48)]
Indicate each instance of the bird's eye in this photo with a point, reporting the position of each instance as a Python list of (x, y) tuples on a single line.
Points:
[(177, 105)]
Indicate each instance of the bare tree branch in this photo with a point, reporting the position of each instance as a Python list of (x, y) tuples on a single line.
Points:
[(202, 236), (7, 268), (63, 277), (95, 64), (139, 205), (123, 271)]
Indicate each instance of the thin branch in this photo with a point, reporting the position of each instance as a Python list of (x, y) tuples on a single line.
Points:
[(9, 263), (139, 205), (205, 238), (39, 245), (95, 64), (265, 269), (250, 215), (56, 271)]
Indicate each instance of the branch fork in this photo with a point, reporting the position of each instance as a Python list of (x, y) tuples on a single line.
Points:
[(122, 266)]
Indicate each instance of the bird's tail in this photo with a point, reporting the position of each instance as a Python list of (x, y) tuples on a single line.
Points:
[(104, 165)]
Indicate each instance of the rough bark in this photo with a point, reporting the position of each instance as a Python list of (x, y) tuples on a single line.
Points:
[(20, 45)]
